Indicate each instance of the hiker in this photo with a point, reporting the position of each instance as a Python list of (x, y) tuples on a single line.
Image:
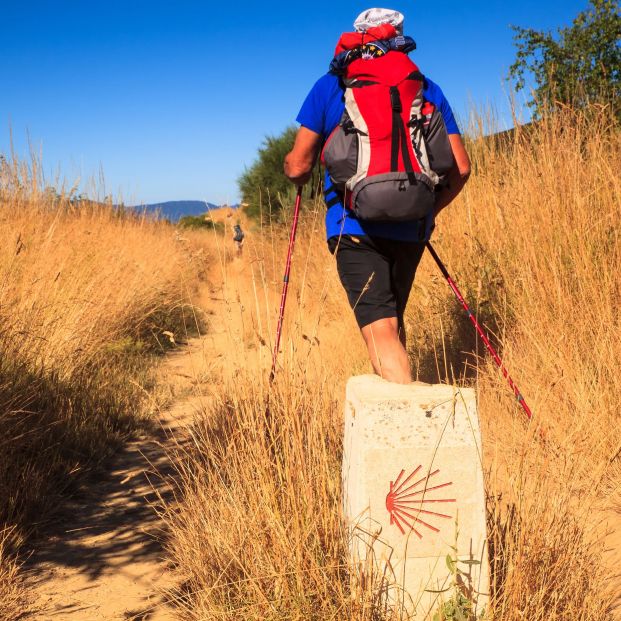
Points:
[(238, 238), (394, 159)]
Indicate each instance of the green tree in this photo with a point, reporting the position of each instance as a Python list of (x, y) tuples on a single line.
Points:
[(581, 65), (264, 185)]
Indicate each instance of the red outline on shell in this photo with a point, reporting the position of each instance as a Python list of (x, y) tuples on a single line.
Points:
[(404, 506)]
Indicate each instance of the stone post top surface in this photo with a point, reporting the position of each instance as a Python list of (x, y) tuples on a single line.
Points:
[(368, 388)]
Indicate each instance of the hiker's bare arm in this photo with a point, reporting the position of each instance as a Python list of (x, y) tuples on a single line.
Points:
[(300, 161), (457, 176)]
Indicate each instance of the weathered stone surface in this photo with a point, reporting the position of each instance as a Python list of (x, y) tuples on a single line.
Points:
[(413, 492)]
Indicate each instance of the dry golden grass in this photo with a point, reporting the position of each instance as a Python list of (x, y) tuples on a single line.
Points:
[(11, 598), (534, 243), (85, 297)]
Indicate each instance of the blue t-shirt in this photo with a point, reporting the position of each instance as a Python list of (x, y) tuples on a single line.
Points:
[(321, 112)]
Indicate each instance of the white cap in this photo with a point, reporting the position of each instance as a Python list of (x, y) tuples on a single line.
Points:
[(376, 17)]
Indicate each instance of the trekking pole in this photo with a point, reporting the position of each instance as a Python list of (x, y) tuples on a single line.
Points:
[(285, 286), (482, 334)]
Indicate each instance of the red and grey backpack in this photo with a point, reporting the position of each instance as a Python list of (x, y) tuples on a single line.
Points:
[(390, 150)]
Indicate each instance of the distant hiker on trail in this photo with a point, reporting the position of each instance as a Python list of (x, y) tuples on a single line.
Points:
[(238, 238), (394, 159)]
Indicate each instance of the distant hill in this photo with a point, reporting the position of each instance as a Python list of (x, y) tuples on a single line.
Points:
[(175, 210)]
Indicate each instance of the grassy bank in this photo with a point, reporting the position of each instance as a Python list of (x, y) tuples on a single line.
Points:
[(86, 297), (534, 243)]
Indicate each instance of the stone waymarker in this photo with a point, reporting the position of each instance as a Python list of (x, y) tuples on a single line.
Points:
[(413, 493)]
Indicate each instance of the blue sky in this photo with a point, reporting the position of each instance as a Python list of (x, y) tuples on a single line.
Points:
[(171, 99)]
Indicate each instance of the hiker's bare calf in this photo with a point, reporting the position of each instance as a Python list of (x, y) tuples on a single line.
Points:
[(386, 345)]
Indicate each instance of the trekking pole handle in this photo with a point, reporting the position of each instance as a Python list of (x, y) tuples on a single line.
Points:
[(480, 331)]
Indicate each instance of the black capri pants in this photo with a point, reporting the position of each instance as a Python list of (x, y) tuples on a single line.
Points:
[(377, 274)]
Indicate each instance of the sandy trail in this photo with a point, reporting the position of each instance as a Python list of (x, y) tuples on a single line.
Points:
[(103, 556)]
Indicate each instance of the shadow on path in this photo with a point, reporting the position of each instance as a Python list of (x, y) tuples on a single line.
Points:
[(103, 557)]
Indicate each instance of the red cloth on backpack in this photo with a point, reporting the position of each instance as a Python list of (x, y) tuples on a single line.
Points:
[(351, 40), (374, 104)]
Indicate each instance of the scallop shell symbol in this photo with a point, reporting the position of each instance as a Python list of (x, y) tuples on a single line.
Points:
[(410, 503)]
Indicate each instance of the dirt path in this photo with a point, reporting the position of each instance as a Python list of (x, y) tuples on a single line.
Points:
[(103, 557)]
